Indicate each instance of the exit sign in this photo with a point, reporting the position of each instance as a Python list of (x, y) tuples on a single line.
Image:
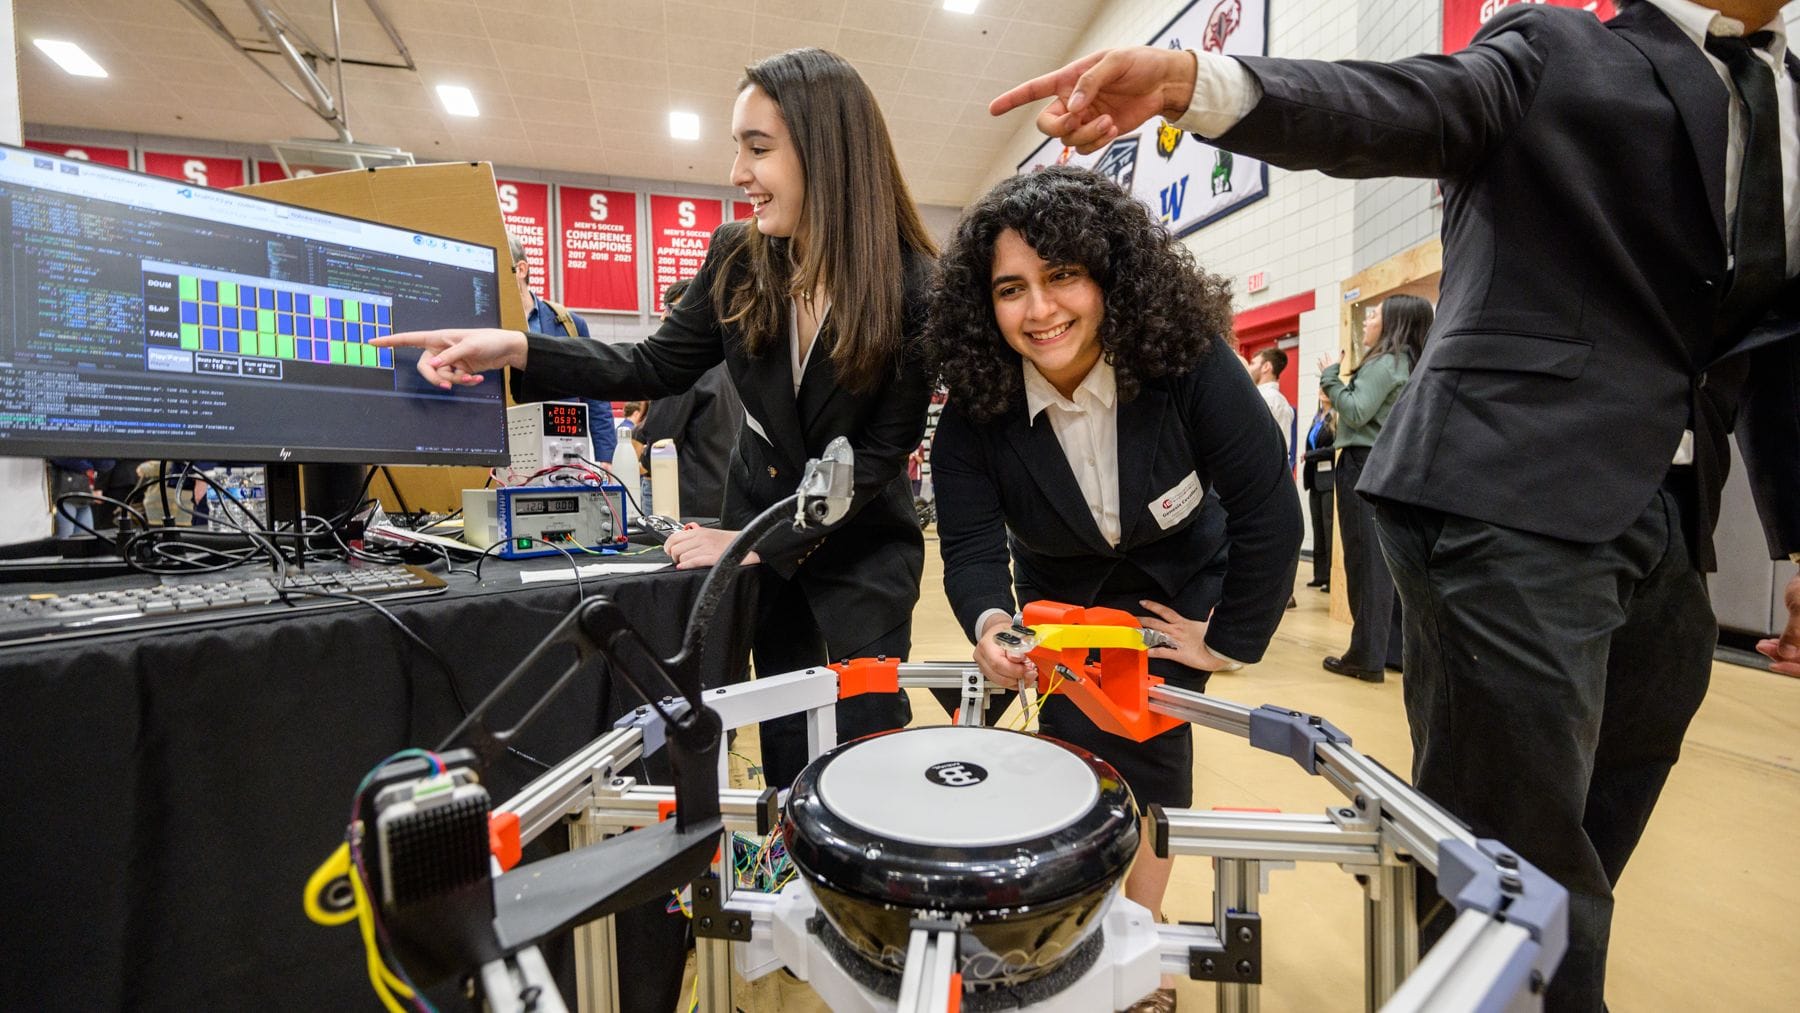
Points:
[(1257, 282)]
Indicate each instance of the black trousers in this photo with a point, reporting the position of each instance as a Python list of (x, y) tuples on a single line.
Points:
[(1375, 634), (1548, 687), (790, 639), (1318, 501)]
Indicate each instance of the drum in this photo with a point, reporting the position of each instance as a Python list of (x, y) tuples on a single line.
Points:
[(1020, 840)]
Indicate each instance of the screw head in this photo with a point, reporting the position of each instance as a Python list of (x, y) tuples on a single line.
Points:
[(1245, 968), (1347, 813), (1511, 884), (706, 922), (1244, 934), (1506, 860), (736, 925), (1207, 965)]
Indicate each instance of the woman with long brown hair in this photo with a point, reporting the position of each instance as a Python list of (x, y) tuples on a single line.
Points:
[(813, 307)]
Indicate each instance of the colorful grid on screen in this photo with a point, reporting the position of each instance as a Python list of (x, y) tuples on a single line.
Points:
[(283, 322)]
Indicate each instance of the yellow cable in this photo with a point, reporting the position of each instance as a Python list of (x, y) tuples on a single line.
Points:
[(337, 865), (384, 981), (380, 977)]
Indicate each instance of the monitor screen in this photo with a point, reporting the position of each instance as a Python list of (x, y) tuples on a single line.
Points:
[(148, 318)]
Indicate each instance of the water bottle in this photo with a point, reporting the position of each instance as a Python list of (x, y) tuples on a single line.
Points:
[(665, 479), (625, 462)]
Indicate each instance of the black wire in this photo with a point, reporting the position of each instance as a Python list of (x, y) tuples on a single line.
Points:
[(392, 487), (94, 497), (606, 470), (462, 705), (348, 549), (575, 567)]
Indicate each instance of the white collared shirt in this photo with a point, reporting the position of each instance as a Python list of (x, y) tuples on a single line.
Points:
[(1087, 427), (795, 359), (1697, 22), (1279, 408)]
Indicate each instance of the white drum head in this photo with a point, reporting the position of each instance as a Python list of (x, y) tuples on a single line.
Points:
[(958, 787)]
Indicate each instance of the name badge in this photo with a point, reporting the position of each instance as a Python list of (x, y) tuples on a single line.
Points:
[(1172, 507)]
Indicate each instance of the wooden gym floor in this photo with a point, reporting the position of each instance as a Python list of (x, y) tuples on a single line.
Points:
[(1706, 915)]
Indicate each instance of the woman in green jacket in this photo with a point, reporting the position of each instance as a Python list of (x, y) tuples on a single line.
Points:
[(1394, 335)]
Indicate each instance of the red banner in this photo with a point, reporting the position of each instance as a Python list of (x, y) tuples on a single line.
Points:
[(740, 210), (200, 170), (599, 249), (120, 157), (526, 208), (268, 171), (1463, 18), (681, 229)]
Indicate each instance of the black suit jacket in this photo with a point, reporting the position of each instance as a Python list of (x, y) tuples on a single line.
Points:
[(1011, 476), (1583, 167), (860, 575)]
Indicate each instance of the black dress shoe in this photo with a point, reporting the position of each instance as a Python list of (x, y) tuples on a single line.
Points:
[(1336, 666), (1315, 583)]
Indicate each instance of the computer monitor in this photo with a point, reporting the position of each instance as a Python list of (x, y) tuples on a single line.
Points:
[(148, 318)]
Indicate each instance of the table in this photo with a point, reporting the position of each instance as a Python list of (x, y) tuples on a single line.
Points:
[(166, 795)]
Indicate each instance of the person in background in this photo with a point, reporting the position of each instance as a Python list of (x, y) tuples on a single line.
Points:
[(1101, 445), (1316, 479), (543, 316), (1393, 338), (73, 476), (704, 422), (1265, 372)]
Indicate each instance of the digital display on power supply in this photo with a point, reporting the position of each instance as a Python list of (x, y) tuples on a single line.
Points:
[(546, 505), (565, 420)]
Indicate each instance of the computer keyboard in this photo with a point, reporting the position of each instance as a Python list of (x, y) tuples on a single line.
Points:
[(195, 601)]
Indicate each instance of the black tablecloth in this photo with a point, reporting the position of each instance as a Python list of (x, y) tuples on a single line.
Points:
[(165, 796)]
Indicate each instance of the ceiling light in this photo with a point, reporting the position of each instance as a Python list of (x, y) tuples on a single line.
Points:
[(962, 6), (71, 58), (458, 101), (684, 126)]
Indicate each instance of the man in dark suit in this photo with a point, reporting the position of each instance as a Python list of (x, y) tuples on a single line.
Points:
[(1621, 231)]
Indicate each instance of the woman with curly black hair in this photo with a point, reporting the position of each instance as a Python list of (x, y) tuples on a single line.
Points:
[(1098, 417)]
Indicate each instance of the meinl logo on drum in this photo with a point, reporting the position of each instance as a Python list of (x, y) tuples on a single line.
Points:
[(956, 773)]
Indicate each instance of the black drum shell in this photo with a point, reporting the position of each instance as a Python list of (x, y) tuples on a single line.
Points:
[(1026, 902)]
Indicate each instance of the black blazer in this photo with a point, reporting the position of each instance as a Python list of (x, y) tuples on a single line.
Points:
[(1011, 476), (861, 574), (1583, 167)]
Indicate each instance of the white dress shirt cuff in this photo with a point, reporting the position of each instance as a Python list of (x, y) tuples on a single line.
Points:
[(1224, 93), (1231, 664), (981, 620)]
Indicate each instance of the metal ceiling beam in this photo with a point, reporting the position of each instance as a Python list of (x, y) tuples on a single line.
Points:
[(302, 55)]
